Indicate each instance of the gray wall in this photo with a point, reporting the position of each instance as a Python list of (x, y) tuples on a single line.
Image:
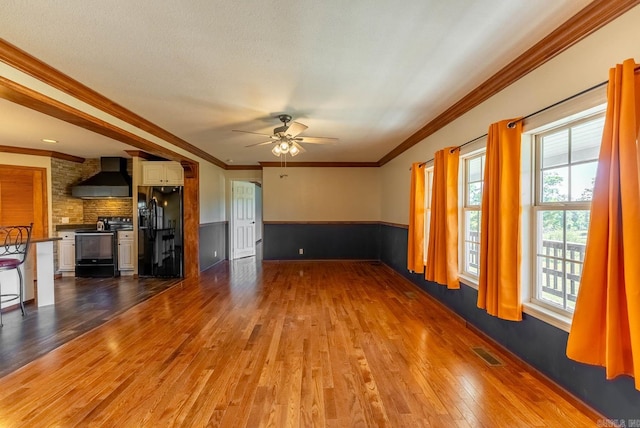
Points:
[(213, 243)]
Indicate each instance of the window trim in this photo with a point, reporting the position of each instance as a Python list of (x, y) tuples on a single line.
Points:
[(532, 303), (468, 277)]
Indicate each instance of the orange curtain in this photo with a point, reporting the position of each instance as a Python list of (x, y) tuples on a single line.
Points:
[(499, 279), (442, 253), (606, 323), (415, 250)]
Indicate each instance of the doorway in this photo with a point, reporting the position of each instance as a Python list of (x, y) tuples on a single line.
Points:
[(23, 198), (246, 218)]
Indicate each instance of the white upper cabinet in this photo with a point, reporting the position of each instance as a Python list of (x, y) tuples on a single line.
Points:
[(162, 174)]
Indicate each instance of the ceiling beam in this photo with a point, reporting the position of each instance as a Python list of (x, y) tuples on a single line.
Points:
[(19, 94), (21, 60)]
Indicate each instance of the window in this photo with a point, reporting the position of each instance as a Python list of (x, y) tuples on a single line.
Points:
[(473, 181), (428, 186), (566, 162)]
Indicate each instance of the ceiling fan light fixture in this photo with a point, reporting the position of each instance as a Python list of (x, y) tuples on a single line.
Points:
[(286, 138)]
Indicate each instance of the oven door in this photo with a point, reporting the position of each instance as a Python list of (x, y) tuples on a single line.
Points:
[(96, 255), (95, 249)]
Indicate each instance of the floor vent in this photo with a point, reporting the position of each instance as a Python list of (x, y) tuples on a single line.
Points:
[(410, 294), (487, 357)]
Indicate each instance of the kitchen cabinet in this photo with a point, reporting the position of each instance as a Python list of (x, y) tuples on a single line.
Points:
[(162, 174), (67, 253), (125, 252)]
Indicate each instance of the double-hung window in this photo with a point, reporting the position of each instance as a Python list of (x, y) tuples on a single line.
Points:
[(473, 183), (566, 162)]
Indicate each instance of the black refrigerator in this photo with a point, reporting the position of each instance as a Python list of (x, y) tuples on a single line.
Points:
[(160, 232)]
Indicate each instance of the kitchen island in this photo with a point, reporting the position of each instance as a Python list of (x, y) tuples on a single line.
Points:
[(37, 269)]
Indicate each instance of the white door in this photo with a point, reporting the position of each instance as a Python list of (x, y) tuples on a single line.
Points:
[(244, 220)]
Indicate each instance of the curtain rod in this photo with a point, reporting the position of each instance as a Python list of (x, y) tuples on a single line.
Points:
[(511, 124)]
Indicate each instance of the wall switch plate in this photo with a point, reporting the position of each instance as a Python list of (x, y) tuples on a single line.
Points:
[(301, 251), (215, 254), (64, 220)]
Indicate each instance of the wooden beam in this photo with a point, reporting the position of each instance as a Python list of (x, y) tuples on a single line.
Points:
[(144, 155), (21, 60), (191, 218), (29, 98)]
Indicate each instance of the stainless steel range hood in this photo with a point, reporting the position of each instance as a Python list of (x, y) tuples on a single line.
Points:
[(111, 182)]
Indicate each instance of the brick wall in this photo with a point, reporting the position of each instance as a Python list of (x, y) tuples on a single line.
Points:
[(63, 175), (94, 208)]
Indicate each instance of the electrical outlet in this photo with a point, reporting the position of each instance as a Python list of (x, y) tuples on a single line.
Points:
[(301, 251), (65, 220), (215, 254)]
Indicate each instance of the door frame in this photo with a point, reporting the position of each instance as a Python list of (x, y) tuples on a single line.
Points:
[(258, 224)]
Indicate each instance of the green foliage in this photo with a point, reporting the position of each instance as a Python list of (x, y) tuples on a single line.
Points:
[(553, 222)]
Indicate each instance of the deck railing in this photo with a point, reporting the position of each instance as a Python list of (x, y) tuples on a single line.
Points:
[(552, 272), (552, 267)]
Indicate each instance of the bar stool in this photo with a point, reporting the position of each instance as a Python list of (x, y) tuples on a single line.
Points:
[(14, 247)]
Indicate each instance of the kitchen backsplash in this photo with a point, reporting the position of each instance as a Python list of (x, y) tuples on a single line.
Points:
[(94, 208)]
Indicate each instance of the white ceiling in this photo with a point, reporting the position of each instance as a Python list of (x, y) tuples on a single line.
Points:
[(370, 73)]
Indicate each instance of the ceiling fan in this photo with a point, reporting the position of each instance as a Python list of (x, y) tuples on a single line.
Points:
[(286, 138)]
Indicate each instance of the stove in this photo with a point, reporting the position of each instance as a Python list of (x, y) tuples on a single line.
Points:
[(116, 223), (96, 250)]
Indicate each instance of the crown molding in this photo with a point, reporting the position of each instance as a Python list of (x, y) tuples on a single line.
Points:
[(593, 17), (321, 164), (38, 152), (144, 155), (243, 167)]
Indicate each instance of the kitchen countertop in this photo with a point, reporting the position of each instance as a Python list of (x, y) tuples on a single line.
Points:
[(45, 239), (70, 226), (88, 227)]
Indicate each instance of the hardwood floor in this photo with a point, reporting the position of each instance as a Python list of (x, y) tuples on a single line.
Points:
[(337, 344), (81, 305)]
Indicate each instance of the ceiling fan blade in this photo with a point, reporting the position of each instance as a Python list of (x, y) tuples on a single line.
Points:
[(260, 144), (249, 132), (295, 128), (302, 150), (316, 140)]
